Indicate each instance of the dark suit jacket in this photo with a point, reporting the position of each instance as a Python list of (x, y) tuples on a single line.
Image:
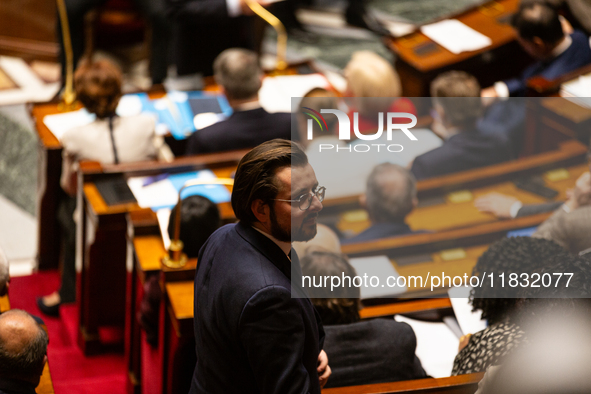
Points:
[(577, 55), (380, 230), (243, 129), (9, 386), (251, 336), (461, 152), (374, 351), (534, 209), (202, 29)]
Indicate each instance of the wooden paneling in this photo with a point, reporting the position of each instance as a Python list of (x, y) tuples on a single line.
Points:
[(28, 29)]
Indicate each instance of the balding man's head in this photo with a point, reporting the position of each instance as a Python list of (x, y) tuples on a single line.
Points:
[(4, 276), (237, 71), (23, 347), (391, 193)]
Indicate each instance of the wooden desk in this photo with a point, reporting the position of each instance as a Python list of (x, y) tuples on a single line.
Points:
[(45, 385), (419, 60), (101, 239), (565, 154), (462, 384), (552, 120), (4, 304), (450, 215)]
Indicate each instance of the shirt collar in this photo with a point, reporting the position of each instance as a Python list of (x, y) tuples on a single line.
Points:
[(563, 46), (285, 246)]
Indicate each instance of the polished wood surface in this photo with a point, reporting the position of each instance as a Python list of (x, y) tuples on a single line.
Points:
[(45, 385), (483, 19), (445, 216), (419, 59), (4, 304), (462, 384), (405, 307), (28, 29), (564, 154)]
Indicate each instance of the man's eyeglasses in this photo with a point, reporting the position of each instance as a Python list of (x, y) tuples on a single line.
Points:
[(305, 200)]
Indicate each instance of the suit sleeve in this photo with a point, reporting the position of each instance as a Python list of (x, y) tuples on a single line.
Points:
[(570, 230), (533, 209), (418, 168), (194, 145), (272, 332)]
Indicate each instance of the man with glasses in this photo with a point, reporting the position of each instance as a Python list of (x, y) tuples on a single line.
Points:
[(254, 331)]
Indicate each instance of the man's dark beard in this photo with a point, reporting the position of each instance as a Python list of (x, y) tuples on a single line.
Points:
[(285, 236)]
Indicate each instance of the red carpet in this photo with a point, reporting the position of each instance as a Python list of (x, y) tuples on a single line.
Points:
[(71, 371)]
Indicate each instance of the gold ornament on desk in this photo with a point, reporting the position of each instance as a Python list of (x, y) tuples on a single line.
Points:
[(68, 95), (176, 258), (271, 19)]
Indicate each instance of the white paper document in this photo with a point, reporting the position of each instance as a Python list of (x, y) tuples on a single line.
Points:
[(455, 36), (276, 93), (163, 216), (58, 124), (380, 267), (469, 321), (158, 194), (437, 346)]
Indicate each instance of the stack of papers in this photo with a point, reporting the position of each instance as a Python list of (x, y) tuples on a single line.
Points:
[(382, 268), (437, 346), (455, 36), (277, 92), (578, 90), (162, 191)]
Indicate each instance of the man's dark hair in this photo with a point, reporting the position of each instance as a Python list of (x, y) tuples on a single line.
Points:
[(255, 175), (26, 364), (199, 219), (340, 306), (517, 255), (458, 93), (390, 192), (538, 20)]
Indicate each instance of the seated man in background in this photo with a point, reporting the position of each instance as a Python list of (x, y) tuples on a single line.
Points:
[(540, 33), (238, 73), (569, 226), (457, 107), (390, 196), (23, 352), (361, 352)]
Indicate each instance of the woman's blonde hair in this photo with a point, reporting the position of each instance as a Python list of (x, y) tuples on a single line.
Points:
[(370, 76)]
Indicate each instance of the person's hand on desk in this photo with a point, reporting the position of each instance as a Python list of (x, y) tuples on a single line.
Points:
[(496, 203), (580, 196), (323, 369)]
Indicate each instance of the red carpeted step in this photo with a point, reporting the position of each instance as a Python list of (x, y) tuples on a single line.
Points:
[(72, 373)]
